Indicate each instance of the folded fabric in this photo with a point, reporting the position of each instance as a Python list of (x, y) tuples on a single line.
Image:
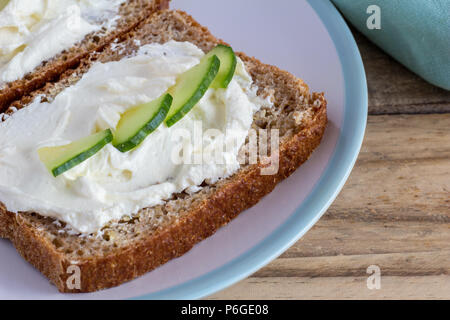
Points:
[(414, 32)]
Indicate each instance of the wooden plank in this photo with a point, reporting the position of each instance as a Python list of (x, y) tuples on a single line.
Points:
[(399, 179), (422, 287), (391, 264), (393, 89)]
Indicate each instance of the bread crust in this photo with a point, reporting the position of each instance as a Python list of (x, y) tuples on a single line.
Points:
[(50, 70), (203, 219)]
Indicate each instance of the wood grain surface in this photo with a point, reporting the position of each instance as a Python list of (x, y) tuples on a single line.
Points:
[(394, 211)]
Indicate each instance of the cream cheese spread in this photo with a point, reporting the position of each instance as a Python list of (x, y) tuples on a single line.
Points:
[(111, 183), (32, 31)]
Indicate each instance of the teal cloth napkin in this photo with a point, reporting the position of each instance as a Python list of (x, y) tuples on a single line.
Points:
[(414, 32)]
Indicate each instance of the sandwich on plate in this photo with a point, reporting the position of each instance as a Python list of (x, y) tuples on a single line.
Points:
[(145, 148), (40, 39)]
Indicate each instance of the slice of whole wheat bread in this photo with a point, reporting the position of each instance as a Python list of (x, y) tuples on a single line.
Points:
[(131, 12), (137, 244)]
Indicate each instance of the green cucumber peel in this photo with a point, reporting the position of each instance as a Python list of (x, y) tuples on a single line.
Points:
[(148, 117), (228, 63)]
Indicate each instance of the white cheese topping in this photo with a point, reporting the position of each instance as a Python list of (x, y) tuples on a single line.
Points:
[(32, 31), (112, 184)]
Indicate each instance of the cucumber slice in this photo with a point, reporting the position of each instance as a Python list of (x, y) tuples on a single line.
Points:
[(138, 122), (228, 62), (191, 87), (59, 159)]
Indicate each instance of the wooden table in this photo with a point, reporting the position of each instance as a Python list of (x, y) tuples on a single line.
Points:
[(394, 211)]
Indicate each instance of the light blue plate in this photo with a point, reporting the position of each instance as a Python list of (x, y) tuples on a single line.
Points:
[(312, 41), (324, 192)]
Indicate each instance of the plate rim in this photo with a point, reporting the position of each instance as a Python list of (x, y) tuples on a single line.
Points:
[(323, 193)]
